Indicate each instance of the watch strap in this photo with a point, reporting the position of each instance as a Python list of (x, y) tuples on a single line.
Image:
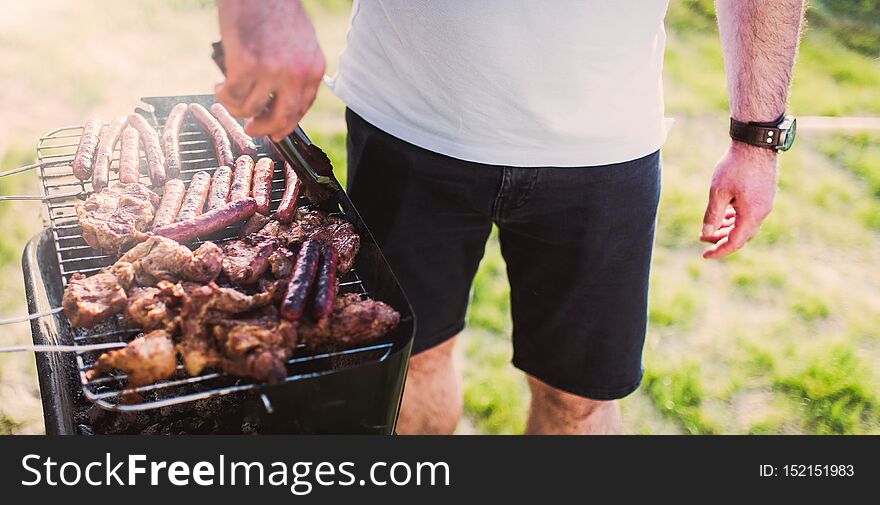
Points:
[(757, 134)]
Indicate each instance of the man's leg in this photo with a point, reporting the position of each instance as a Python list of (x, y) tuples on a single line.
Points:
[(432, 398), (577, 243), (555, 412)]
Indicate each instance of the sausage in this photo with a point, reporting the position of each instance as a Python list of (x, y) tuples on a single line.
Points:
[(85, 152), (101, 169), (210, 221), (130, 156), (325, 287), (215, 131), (241, 178), (171, 140), (194, 200), (294, 302), (172, 198), (152, 149), (262, 190), (243, 142), (287, 207), (218, 195)]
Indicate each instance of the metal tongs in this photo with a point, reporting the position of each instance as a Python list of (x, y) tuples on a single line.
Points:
[(310, 163)]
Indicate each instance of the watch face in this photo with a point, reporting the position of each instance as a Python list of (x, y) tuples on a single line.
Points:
[(790, 133)]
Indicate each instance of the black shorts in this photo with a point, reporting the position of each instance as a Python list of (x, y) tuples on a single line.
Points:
[(577, 243)]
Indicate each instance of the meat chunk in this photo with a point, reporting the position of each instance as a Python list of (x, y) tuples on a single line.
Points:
[(282, 262), (151, 308), (245, 261), (256, 347), (340, 235), (353, 321), (89, 300), (205, 306), (116, 218), (159, 258), (146, 359), (317, 225)]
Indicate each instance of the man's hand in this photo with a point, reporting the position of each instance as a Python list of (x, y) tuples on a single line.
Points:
[(272, 54), (740, 198)]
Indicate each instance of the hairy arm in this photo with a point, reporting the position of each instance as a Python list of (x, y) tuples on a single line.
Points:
[(759, 40), (271, 51)]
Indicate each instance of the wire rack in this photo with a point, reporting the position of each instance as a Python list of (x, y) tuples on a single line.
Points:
[(55, 152)]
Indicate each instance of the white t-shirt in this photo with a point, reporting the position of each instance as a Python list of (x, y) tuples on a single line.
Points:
[(510, 82)]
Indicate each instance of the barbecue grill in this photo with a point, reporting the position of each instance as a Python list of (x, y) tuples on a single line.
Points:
[(354, 390)]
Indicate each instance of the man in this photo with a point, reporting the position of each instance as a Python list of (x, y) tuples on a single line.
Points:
[(544, 118)]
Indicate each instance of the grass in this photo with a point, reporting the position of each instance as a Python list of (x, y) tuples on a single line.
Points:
[(783, 337)]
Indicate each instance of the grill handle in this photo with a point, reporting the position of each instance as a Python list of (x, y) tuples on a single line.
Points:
[(21, 169)]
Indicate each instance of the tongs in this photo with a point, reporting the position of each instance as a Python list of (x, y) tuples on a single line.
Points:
[(310, 163)]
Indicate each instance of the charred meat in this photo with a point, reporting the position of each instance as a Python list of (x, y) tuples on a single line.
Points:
[(146, 359), (89, 300), (353, 321), (118, 217), (245, 261), (159, 258)]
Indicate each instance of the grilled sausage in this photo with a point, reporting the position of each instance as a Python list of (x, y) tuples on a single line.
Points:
[(241, 178), (243, 142), (287, 207), (218, 195), (129, 156), (85, 152), (152, 149), (171, 140), (210, 221), (101, 169), (172, 199), (215, 131), (262, 191), (194, 200), (325, 287), (300, 285)]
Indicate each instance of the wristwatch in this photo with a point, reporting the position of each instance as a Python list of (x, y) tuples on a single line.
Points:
[(778, 135)]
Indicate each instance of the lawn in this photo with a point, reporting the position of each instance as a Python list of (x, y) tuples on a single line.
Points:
[(783, 337)]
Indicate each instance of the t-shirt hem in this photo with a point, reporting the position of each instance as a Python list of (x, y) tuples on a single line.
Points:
[(615, 150)]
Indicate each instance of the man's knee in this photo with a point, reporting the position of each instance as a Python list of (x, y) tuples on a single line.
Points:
[(436, 358), (563, 404)]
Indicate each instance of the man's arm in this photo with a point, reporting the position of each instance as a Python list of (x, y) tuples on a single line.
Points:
[(759, 40), (271, 50)]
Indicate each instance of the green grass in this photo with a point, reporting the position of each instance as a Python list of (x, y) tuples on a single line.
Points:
[(832, 388), (678, 394)]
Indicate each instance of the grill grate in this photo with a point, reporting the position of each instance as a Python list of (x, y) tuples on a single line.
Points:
[(55, 153)]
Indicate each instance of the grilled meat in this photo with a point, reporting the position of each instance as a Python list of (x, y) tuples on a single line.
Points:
[(245, 261), (353, 321), (282, 263), (257, 347), (150, 308), (146, 359), (89, 300), (317, 225), (159, 258), (205, 306), (116, 218)]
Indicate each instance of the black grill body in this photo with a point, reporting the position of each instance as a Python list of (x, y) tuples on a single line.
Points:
[(344, 391)]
